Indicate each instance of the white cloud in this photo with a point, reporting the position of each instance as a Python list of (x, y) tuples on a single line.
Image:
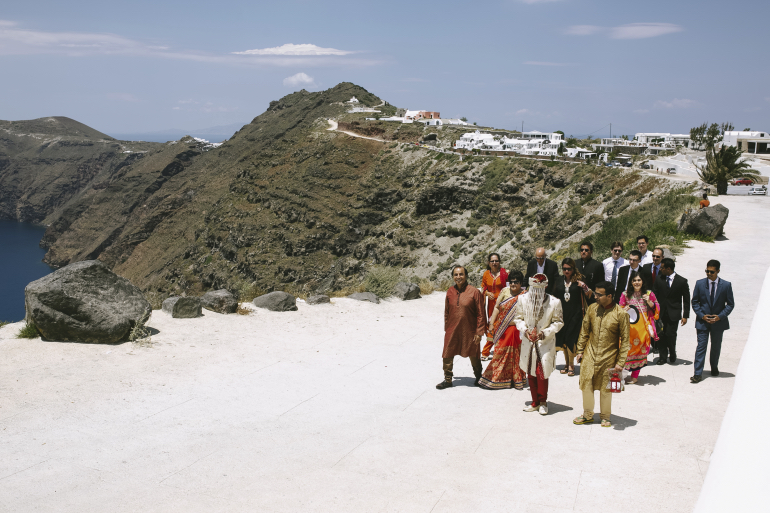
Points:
[(628, 31), (16, 40), (299, 79), (584, 30), (292, 49), (544, 63), (643, 30), (676, 103), (522, 111)]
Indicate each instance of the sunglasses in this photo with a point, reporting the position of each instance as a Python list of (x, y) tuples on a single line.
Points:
[(710, 272), (494, 261), (617, 250), (566, 268), (515, 282), (584, 250)]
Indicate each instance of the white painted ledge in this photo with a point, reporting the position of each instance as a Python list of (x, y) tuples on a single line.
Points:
[(738, 477)]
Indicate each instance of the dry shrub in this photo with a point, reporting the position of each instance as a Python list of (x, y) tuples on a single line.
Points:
[(347, 291), (426, 287), (382, 280), (156, 299), (140, 335), (242, 310), (248, 291)]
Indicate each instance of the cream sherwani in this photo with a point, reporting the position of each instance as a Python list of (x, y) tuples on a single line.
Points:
[(550, 322)]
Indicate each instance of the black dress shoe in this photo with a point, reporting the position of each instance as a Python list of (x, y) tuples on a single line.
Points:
[(476, 383), (444, 384), (715, 372), (672, 358), (661, 361), (696, 379)]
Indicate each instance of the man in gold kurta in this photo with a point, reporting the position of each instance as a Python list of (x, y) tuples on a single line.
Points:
[(603, 345)]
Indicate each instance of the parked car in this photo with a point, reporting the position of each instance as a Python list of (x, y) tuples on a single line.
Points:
[(743, 181), (760, 191), (671, 170)]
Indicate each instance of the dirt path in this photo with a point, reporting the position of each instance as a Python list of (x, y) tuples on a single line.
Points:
[(333, 127)]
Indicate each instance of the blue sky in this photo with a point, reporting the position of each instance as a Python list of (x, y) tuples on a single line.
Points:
[(571, 65)]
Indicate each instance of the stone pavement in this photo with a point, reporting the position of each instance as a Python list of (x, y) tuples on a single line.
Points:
[(334, 408)]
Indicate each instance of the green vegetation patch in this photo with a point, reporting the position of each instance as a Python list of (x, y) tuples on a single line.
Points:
[(656, 219), (28, 331), (382, 280)]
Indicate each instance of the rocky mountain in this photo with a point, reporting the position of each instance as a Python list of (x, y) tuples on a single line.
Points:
[(46, 163), (287, 204)]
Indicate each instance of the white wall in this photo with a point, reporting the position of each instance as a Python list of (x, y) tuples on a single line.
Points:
[(738, 477)]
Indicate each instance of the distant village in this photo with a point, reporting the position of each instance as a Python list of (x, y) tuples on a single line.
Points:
[(553, 144)]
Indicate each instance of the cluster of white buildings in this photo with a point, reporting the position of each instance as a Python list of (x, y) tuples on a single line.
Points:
[(529, 143), (753, 142)]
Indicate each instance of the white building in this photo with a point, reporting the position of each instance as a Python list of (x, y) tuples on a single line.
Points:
[(748, 142), (663, 139), (552, 136), (579, 153), (353, 101), (441, 122), (476, 141)]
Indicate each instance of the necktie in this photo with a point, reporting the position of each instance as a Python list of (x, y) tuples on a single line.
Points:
[(615, 274), (669, 281), (654, 273), (713, 286)]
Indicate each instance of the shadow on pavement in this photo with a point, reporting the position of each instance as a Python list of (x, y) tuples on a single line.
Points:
[(620, 423), (464, 382), (557, 408), (649, 380)]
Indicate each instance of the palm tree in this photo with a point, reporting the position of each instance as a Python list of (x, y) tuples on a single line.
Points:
[(724, 165)]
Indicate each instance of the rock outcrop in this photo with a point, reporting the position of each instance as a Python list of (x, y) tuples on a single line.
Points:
[(85, 302), (406, 291), (365, 296), (709, 221), (276, 302), (183, 307), (318, 299), (221, 301)]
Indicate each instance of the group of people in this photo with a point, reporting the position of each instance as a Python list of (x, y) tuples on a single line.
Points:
[(606, 316)]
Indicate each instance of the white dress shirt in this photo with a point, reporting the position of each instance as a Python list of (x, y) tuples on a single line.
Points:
[(540, 268), (715, 285), (670, 279), (646, 258), (609, 265)]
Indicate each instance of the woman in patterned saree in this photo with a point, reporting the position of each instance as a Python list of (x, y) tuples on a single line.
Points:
[(645, 311), (504, 370), (492, 282)]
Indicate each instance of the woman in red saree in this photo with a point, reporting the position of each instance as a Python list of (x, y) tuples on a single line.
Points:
[(504, 370), (492, 283)]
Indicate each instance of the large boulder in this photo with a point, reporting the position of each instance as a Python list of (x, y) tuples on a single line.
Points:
[(709, 221), (220, 301), (182, 307), (85, 302), (276, 302), (365, 296), (318, 299), (406, 291)]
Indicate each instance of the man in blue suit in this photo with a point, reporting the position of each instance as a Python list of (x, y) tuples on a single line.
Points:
[(712, 302)]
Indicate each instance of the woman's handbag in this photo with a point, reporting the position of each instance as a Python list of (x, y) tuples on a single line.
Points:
[(647, 324)]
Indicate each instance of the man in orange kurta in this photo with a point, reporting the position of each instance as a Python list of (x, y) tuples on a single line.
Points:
[(464, 325)]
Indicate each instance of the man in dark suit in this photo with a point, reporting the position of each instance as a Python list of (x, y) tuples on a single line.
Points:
[(592, 270), (541, 264), (712, 302), (653, 268), (673, 293), (624, 274)]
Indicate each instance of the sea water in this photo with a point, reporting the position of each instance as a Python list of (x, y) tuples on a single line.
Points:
[(21, 261)]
